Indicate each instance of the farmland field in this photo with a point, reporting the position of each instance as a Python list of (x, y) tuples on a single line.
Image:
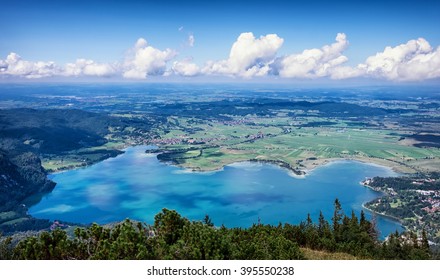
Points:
[(300, 145)]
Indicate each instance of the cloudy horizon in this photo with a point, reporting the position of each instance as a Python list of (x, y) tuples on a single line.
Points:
[(247, 55)]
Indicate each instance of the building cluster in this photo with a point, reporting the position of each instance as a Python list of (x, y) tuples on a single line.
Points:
[(259, 135), (420, 182), (431, 197), (236, 122), (58, 224), (166, 141), (185, 140)]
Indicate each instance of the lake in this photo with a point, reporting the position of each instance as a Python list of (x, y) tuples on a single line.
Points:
[(136, 185)]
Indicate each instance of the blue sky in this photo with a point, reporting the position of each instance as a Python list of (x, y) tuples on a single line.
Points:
[(288, 40)]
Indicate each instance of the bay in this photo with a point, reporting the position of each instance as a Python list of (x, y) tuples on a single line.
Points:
[(136, 185)]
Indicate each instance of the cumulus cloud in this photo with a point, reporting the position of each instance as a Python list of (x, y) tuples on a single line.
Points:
[(186, 68), (144, 60), (14, 65), (191, 40), (415, 60), (249, 56), (84, 67), (313, 63)]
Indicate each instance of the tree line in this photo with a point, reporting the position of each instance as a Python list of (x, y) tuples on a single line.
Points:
[(175, 237), (427, 181)]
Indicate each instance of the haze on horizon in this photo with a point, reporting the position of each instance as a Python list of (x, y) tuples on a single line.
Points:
[(278, 41)]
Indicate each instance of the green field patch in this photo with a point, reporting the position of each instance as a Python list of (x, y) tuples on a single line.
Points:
[(15, 221), (8, 216), (193, 153), (276, 138), (396, 204), (129, 129), (78, 158), (61, 164)]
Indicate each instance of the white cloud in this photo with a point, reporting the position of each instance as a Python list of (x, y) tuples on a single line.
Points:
[(415, 60), (14, 65), (144, 60), (313, 63), (191, 40), (186, 68), (89, 68), (248, 57)]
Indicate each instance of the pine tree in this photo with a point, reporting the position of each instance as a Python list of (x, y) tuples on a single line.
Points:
[(363, 221), (373, 232), (322, 224), (354, 220), (309, 220), (207, 220), (337, 217), (425, 244), (169, 225), (337, 214)]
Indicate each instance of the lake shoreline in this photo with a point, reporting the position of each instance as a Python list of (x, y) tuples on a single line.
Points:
[(302, 167), (256, 186), (296, 171), (400, 221)]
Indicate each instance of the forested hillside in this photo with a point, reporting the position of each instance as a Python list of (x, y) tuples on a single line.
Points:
[(52, 131), (26, 136), (20, 177)]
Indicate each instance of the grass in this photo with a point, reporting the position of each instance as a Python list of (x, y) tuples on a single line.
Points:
[(58, 164), (193, 153), (396, 204), (323, 255), (8, 216), (78, 158), (284, 142), (15, 221)]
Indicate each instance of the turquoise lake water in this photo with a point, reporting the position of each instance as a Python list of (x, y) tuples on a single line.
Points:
[(136, 185)]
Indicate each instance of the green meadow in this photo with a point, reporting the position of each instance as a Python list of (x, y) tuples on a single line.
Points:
[(302, 143)]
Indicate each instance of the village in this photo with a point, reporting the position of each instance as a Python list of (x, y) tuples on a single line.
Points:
[(415, 201)]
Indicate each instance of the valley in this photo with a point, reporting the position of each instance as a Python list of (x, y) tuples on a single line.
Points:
[(207, 128)]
